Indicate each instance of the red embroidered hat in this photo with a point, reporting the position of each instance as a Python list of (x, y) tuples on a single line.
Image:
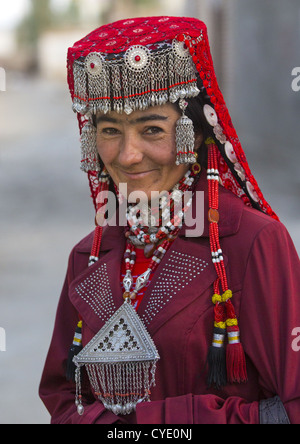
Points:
[(135, 63)]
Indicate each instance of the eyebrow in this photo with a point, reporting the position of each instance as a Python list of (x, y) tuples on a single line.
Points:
[(142, 119)]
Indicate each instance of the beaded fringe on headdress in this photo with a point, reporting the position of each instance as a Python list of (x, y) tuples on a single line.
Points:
[(136, 81)]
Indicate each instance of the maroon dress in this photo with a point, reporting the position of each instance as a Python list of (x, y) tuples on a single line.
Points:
[(263, 272)]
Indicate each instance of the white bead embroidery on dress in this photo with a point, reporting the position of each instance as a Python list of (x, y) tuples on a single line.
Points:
[(176, 274), (96, 292)]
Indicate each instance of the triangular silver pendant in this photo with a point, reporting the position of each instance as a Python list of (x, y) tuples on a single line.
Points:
[(120, 361)]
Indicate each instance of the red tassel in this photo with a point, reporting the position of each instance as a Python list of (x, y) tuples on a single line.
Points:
[(235, 359)]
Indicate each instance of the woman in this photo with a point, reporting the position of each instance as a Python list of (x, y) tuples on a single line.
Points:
[(199, 323)]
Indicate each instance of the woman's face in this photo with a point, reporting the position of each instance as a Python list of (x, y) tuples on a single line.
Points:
[(140, 149)]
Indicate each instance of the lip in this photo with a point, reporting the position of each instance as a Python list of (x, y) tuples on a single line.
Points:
[(136, 176)]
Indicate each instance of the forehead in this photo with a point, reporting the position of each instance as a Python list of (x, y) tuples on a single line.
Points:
[(167, 112)]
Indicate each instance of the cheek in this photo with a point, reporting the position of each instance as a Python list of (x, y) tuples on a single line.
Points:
[(163, 152), (106, 150)]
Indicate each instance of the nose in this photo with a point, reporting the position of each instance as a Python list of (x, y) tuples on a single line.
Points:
[(131, 151)]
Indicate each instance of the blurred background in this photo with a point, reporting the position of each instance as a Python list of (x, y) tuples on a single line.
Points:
[(45, 206)]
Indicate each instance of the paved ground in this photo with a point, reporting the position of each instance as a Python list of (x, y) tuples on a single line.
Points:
[(45, 209)]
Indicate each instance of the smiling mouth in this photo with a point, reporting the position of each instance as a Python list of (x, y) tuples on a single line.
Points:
[(137, 175)]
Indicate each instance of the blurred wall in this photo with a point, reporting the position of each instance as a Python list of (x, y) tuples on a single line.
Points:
[(263, 48)]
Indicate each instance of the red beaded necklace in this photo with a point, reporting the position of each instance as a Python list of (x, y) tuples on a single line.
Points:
[(156, 245), (143, 279), (142, 236), (168, 233)]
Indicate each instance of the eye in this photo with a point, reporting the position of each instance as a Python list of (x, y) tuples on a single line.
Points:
[(153, 130), (109, 131)]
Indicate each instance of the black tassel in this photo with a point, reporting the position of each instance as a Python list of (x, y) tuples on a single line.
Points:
[(75, 348), (216, 360)]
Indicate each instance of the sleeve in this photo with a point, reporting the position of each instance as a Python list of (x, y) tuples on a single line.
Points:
[(198, 409), (269, 319), (271, 310), (55, 391)]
